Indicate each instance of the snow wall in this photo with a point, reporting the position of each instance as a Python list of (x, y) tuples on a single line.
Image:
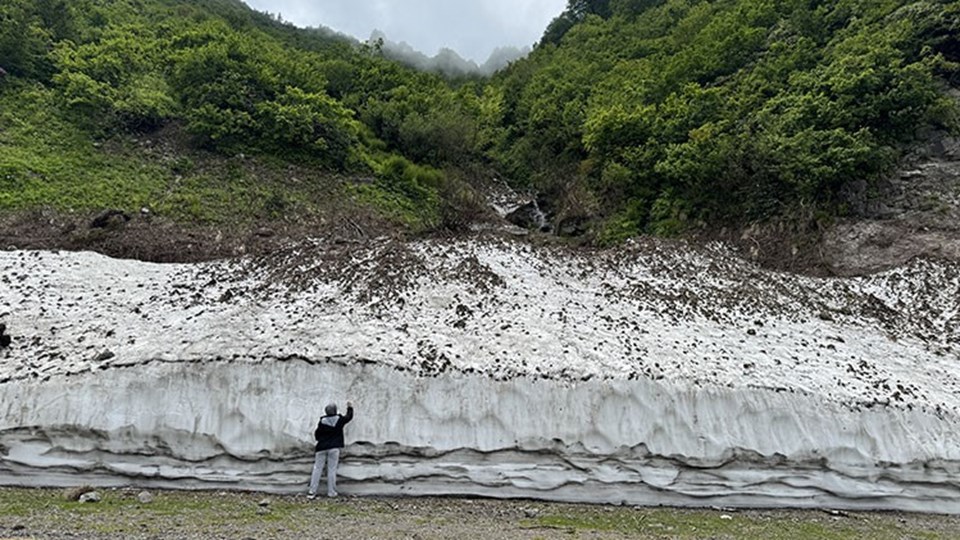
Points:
[(247, 426), (211, 419)]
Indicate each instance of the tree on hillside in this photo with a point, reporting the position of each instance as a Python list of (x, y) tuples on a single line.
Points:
[(115, 82), (576, 11), (24, 41), (632, 8), (678, 112)]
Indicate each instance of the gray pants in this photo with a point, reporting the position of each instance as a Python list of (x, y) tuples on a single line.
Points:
[(332, 459)]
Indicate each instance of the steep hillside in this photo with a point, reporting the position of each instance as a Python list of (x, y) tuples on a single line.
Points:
[(666, 115), (765, 123), (209, 114), (914, 211)]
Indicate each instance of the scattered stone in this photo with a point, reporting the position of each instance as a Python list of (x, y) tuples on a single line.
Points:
[(104, 356), (573, 226), (145, 497), (74, 494), (4, 338), (91, 497), (264, 503), (726, 517), (109, 219), (528, 216)]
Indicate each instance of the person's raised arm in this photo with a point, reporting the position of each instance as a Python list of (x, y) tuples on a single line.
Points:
[(349, 416)]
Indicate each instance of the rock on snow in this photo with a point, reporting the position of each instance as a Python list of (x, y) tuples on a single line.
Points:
[(657, 373)]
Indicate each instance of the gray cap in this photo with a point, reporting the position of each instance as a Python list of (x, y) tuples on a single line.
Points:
[(331, 409)]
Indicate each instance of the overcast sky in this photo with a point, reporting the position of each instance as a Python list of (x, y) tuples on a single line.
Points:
[(472, 28)]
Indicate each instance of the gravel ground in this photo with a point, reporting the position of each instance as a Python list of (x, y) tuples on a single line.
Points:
[(26, 514)]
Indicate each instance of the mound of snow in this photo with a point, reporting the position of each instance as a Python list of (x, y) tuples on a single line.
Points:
[(652, 374)]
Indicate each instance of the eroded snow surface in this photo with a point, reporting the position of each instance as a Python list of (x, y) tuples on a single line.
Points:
[(657, 373)]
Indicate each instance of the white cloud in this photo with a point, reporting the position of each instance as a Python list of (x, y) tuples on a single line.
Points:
[(471, 28)]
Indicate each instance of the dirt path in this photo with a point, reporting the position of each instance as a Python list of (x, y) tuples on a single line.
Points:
[(42, 514)]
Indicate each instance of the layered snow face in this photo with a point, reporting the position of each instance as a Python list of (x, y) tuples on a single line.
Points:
[(654, 374)]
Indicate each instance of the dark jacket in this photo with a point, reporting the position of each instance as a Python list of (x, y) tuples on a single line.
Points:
[(329, 433)]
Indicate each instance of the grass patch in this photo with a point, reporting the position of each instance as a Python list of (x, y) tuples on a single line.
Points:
[(48, 161), (214, 514), (404, 192), (120, 512), (395, 207), (774, 525), (45, 160)]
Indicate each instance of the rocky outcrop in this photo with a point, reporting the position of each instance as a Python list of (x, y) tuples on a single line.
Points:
[(529, 216), (913, 212)]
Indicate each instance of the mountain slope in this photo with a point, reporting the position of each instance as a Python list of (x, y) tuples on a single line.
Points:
[(214, 80), (662, 116), (630, 117)]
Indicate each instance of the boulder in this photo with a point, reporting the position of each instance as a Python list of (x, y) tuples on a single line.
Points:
[(528, 216), (74, 494), (90, 497), (573, 226), (109, 219)]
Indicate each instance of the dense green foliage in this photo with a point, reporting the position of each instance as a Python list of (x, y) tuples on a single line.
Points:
[(673, 112), (640, 115), (236, 81)]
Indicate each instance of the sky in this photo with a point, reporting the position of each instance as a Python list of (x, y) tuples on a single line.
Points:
[(472, 28)]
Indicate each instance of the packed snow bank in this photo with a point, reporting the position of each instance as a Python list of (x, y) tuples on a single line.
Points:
[(245, 425), (651, 375)]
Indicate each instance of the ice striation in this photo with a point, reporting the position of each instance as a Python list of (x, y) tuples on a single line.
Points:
[(658, 373)]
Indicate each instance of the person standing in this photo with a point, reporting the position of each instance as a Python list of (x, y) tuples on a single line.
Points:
[(329, 435)]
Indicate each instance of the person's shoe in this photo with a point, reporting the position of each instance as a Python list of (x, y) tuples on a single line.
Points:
[(311, 496), (332, 495)]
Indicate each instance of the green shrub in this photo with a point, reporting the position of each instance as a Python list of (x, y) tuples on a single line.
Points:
[(669, 215), (24, 40), (115, 83), (734, 110), (311, 122), (415, 182), (407, 192)]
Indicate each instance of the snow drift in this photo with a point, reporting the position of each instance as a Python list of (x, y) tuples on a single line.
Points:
[(653, 374)]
